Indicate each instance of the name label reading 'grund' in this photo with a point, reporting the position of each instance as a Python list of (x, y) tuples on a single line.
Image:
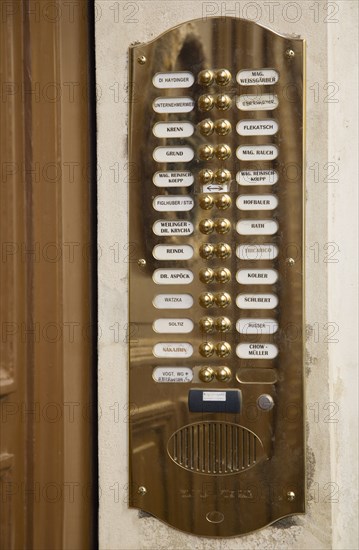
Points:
[(253, 77), (172, 374), (173, 326), (172, 252), (265, 102), (257, 152), (257, 326), (257, 276), (173, 179), (172, 227), (257, 301), (173, 349), (180, 79), (257, 251), (173, 154), (257, 177), (173, 105), (257, 127), (257, 202), (173, 129), (257, 351), (172, 203), (172, 276), (173, 301), (257, 227)]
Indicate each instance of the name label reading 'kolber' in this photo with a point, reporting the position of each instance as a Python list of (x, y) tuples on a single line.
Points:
[(257, 301), (257, 251), (173, 179), (257, 227), (172, 276), (172, 252), (180, 79), (257, 326), (173, 203), (172, 349), (173, 154), (257, 177), (173, 326), (172, 227), (257, 152), (265, 102), (172, 374), (173, 105), (257, 202), (173, 301), (257, 127), (257, 276), (173, 129), (257, 351)]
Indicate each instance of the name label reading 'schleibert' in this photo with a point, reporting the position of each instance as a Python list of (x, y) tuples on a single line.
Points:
[(257, 326), (257, 276), (173, 154), (173, 80), (173, 301), (264, 102), (173, 203), (257, 152), (171, 349), (173, 105), (173, 129), (257, 177), (257, 227), (173, 179), (172, 374), (257, 202), (257, 251), (172, 227), (257, 301), (172, 276), (172, 252), (257, 127), (173, 326), (257, 77), (257, 351)]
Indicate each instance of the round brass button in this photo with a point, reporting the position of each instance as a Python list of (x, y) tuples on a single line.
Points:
[(222, 127), (223, 374), (205, 77), (206, 152), (206, 202), (223, 151), (222, 226), (206, 349), (223, 102), (222, 176), (223, 77), (205, 102), (206, 299), (205, 176), (206, 127), (223, 202), (223, 250), (222, 299), (223, 275), (206, 275), (223, 324), (206, 251), (206, 374), (206, 226), (206, 324), (223, 349)]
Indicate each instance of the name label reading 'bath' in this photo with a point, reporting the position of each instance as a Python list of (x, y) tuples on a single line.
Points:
[(172, 276), (257, 251), (257, 326), (257, 227), (257, 351), (257, 276), (173, 105), (173, 301), (172, 252), (172, 227), (173, 129), (257, 152), (260, 77), (257, 127), (170, 349), (173, 179), (257, 202), (173, 203), (257, 177), (173, 326), (265, 102), (257, 301), (173, 154), (173, 80), (172, 374)]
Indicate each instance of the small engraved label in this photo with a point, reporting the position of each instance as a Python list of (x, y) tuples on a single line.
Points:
[(257, 152), (173, 80), (257, 177), (257, 77), (173, 104), (257, 202), (257, 227), (257, 127), (257, 351), (173, 179), (173, 203), (172, 227), (265, 102)]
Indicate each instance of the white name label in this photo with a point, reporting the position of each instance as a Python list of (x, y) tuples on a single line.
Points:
[(265, 102), (257, 127), (257, 152), (257, 177), (257, 326), (257, 301), (173, 129), (257, 227), (170, 349), (173, 301), (173, 154), (175, 252), (173, 105), (257, 351), (214, 396), (172, 203), (173, 80), (257, 251), (172, 276), (173, 326), (173, 179), (257, 276), (172, 374), (253, 77), (172, 227), (257, 202)]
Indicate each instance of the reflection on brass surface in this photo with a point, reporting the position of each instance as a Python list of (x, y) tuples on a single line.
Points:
[(206, 374), (223, 275), (223, 77), (206, 226), (205, 102), (222, 225), (222, 151), (242, 468), (206, 275)]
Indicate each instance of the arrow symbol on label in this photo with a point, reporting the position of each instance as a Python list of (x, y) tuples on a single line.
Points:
[(214, 188)]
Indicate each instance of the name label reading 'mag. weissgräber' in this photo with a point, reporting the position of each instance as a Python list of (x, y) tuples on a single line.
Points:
[(181, 79), (257, 77), (172, 227)]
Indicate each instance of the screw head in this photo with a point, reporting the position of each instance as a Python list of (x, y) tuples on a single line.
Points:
[(290, 53), (142, 59), (290, 261), (141, 262), (142, 490), (291, 495)]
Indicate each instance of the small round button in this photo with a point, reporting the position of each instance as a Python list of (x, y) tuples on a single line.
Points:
[(222, 127), (223, 77), (206, 299), (223, 202), (206, 152), (222, 151), (205, 176), (205, 102), (206, 275), (206, 374), (222, 299), (206, 251), (206, 127), (222, 275), (265, 402), (223, 250), (206, 226), (222, 176), (223, 324), (206, 202), (206, 349), (223, 374), (223, 349), (223, 102), (206, 324), (222, 226), (205, 77)]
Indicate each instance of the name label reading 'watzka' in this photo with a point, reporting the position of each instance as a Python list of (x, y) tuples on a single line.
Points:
[(173, 301)]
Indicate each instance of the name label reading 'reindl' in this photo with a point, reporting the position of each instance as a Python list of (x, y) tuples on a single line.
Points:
[(173, 301), (257, 227), (173, 80), (257, 301), (173, 179), (260, 77), (265, 102), (172, 374), (173, 129), (257, 326), (257, 351), (172, 227), (173, 154), (257, 127), (172, 252), (172, 276), (257, 276), (171, 349), (257, 202), (257, 251), (173, 326), (257, 177), (173, 105), (172, 203), (257, 152)]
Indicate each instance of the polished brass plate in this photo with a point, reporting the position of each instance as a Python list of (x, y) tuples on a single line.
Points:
[(218, 474)]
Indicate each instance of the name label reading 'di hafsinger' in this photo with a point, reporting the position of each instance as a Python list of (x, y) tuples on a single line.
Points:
[(172, 227), (173, 203), (172, 276), (172, 374), (173, 301), (257, 251), (257, 177), (173, 80), (257, 127), (257, 351), (257, 276), (172, 349), (257, 152), (172, 252), (173, 129), (257, 227), (173, 326), (257, 326), (173, 154), (173, 179), (253, 77), (257, 301), (173, 105), (257, 202), (265, 102)]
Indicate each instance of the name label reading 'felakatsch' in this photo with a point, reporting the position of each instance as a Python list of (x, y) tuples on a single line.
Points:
[(257, 227), (257, 177), (265, 102), (257, 351), (257, 202), (173, 154), (173, 129), (173, 301), (172, 203), (172, 227), (173, 179), (171, 349), (257, 276), (257, 326), (172, 276), (257, 301), (257, 152), (173, 326), (257, 251), (253, 77), (257, 127), (173, 80), (172, 374), (173, 105), (172, 252)]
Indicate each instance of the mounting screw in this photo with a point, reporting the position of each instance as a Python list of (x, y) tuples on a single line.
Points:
[(290, 53), (290, 261), (142, 490), (141, 262), (142, 59), (291, 495)]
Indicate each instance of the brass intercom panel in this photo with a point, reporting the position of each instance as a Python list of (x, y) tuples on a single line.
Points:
[(216, 161)]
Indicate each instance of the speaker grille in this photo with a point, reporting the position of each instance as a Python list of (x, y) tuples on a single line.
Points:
[(215, 448)]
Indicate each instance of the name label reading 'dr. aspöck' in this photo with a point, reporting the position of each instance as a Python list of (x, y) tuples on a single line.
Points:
[(172, 276)]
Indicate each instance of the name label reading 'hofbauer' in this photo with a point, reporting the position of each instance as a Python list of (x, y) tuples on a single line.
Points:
[(173, 154), (260, 77), (172, 227), (173, 301), (249, 102), (172, 374), (257, 127), (257, 177), (257, 326), (172, 276), (257, 351), (257, 251), (257, 152), (172, 252), (257, 276), (257, 202), (173, 129), (173, 203), (173, 80), (257, 301), (171, 349), (173, 326), (173, 179), (173, 105), (257, 227)]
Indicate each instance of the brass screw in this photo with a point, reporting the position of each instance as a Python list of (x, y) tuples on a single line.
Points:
[(223, 374), (223, 102), (222, 176), (206, 202), (205, 152), (290, 53), (206, 226), (223, 275), (222, 127), (222, 226), (223, 77), (223, 250), (206, 324), (141, 60), (142, 490), (206, 374), (223, 202), (206, 275), (223, 349), (205, 77), (222, 299), (205, 102), (291, 495), (223, 151), (206, 127), (223, 324), (206, 349), (206, 299), (141, 262), (205, 176), (206, 251), (290, 261)]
